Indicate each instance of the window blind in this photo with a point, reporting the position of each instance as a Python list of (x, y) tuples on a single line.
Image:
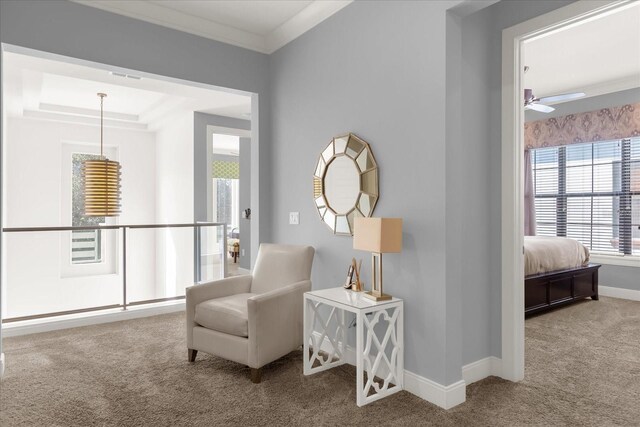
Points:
[(590, 192)]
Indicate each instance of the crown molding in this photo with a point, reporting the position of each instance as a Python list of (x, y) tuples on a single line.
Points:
[(306, 19), (170, 18)]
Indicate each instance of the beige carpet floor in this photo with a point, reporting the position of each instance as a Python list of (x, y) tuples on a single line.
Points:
[(583, 368)]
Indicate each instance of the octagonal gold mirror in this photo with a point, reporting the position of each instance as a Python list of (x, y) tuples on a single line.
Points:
[(345, 183)]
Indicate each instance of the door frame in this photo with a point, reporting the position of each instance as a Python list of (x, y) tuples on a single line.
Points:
[(512, 187)]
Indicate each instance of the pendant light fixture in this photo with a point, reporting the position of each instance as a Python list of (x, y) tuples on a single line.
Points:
[(101, 180)]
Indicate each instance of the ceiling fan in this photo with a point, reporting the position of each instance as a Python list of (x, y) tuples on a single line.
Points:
[(538, 104)]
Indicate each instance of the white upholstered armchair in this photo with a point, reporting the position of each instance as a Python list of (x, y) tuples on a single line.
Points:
[(256, 319)]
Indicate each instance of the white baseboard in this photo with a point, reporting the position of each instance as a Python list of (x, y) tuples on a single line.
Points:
[(444, 396), (481, 369), (35, 326), (610, 291)]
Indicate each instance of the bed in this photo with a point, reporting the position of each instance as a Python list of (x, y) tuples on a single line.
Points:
[(557, 272)]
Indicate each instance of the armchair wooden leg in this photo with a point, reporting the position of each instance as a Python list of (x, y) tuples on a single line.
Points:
[(256, 375), (192, 355)]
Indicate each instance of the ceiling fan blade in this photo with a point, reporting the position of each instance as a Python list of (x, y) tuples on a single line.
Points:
[(541, 108), (562, 97)]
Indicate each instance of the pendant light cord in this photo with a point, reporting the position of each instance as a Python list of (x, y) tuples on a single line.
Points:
[(101, 95)]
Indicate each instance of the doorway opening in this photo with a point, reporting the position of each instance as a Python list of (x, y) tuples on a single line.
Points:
[(231, 194), (139, 261), (514, 45)]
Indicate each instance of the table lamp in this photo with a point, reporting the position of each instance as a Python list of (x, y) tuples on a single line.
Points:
[(378, 236)]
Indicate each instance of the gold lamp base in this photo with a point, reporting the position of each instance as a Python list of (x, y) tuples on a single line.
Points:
[(376, 296), (376, 293)]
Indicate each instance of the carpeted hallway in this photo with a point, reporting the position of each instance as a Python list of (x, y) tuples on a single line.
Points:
[(583, 368)]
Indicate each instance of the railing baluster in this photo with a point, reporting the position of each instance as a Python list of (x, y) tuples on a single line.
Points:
[(224, 251), (124, 268), (198, 260)]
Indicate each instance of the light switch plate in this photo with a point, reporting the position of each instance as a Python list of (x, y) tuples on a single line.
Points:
[(294, 218)]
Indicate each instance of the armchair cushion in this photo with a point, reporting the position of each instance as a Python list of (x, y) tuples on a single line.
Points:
[(281, 265), (227, 314)]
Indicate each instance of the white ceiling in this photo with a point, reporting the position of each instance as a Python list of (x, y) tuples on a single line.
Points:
[(225, 144), (261, 25), (597, 57), (54, 90)]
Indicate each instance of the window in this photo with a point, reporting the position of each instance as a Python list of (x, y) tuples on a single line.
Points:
[(86, 246), (226, 186), (227, 201), (590, 192)]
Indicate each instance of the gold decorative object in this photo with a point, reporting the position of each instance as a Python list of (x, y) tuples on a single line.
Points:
[(345, 183), (101, 180), (357, 285), (378, 236)]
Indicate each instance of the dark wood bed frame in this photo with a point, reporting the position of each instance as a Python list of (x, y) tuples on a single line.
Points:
[(545, 291)]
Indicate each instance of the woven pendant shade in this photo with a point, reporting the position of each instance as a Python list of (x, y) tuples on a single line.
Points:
[(101, 187), (101, 180)]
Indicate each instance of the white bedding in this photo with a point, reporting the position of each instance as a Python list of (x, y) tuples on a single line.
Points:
[(543, 254)]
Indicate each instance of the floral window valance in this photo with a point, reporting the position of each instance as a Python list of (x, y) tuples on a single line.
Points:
[(601, 125), (226, 170)]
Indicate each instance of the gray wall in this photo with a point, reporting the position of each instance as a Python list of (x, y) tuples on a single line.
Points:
[(381, 70), (610, 275), (480, 170), (376, 69), (618, 276), (245, 202)]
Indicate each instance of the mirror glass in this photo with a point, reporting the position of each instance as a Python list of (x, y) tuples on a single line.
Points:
[(345, 183), (365, 161), (342, 184), (342, 225)]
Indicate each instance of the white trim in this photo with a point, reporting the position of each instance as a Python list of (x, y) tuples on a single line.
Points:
[(221, 130), (1, 365), (481, 369), (468, 7), (167, 17), (609, 291), (305, 20), (512, 210), (626, 260), (255, 179), (6, 47), (444, 396), (158, 14), (512, 327), (35, 326)]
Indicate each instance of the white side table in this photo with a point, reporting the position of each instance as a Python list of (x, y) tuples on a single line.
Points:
[(325, 330)]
